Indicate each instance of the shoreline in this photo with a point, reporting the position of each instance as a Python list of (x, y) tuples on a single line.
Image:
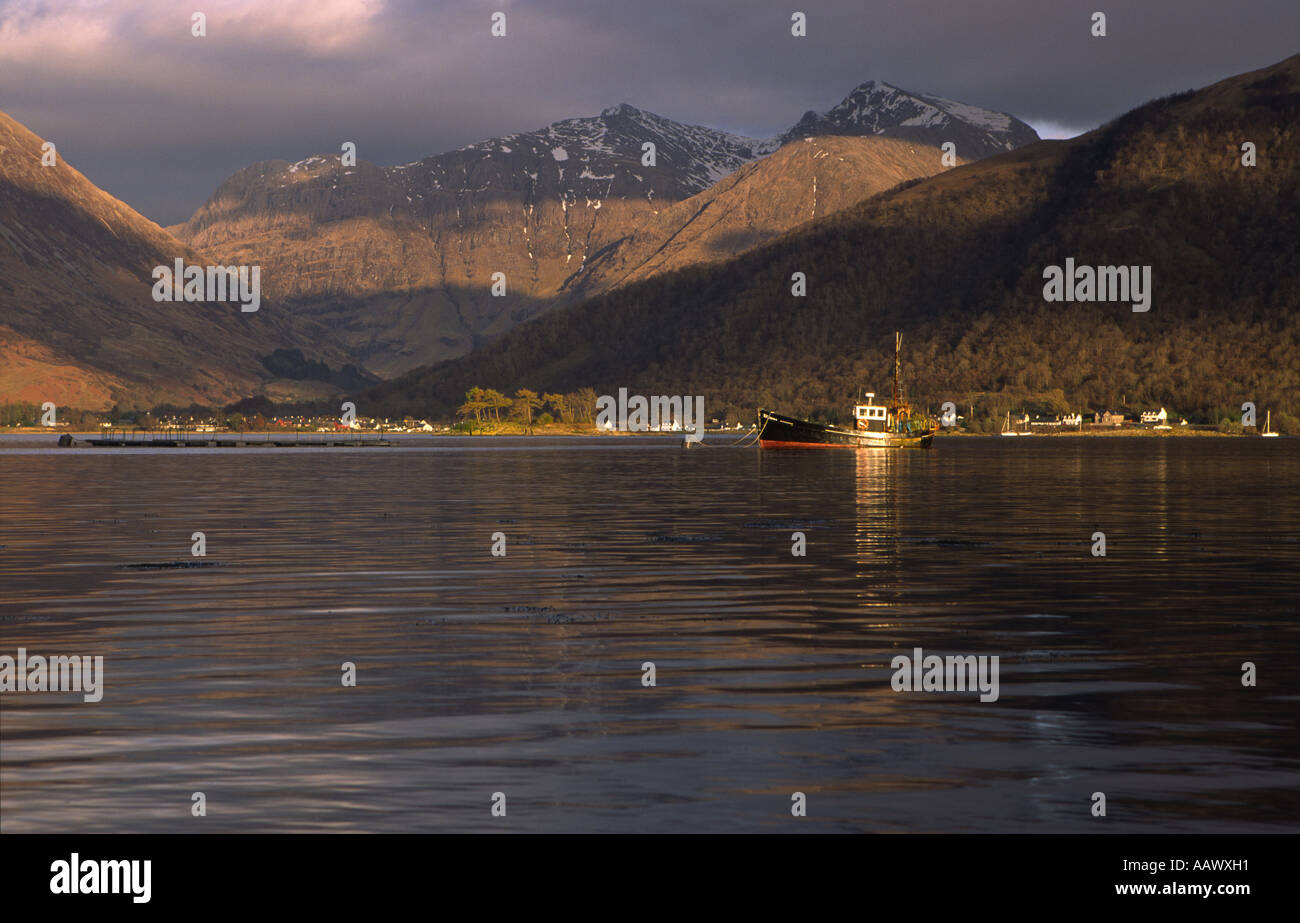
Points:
[(570, 431), (1183, 433)]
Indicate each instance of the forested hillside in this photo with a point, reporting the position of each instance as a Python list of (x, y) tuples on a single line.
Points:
[(956, 262)]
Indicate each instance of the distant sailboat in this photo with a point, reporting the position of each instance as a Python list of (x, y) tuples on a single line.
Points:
[(1006, 426), (1268, 424)]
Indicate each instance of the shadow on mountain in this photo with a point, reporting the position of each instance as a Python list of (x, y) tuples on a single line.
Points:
[(77, 282), (957, 263), (730, 243), (423, 325)]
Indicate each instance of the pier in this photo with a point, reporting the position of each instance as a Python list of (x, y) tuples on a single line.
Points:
[(182, 438)]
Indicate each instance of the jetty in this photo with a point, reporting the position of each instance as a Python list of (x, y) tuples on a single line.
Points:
[(184, 438)]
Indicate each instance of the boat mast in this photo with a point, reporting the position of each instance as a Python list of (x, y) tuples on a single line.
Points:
[(898, 344)]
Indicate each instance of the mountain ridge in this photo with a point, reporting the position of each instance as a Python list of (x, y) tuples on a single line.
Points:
[(879, 108), (417, 245), (955, 261)]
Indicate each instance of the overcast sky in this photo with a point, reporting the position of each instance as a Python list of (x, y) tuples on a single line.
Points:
[(158, 117)]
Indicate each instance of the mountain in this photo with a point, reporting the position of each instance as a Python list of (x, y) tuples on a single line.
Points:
[(398, 262), (956, 262), (881, 109), (802, 181), (78, 323)]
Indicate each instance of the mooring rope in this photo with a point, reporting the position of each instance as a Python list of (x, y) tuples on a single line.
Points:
[(753, 436)]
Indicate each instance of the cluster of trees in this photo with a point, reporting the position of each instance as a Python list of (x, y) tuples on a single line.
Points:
[(292, 364), (483, 404), (21, 413), (25, 413), (250, 413)]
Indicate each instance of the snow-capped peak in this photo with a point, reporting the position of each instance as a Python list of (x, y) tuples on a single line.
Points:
[(621, 109), (879, 108)]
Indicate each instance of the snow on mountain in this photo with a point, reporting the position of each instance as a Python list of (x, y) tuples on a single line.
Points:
[(688, 158), (883, 109), (601, 157), (418, 241)]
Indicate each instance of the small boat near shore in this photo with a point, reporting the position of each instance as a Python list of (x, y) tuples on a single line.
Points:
[(875, 426), (1268, 425)]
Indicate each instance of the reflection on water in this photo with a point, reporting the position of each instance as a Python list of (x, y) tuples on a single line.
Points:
[(522, 674)]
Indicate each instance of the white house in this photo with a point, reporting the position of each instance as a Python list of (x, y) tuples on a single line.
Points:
[(1154, 416)]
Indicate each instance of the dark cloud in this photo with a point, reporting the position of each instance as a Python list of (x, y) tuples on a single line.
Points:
[(159, 118)]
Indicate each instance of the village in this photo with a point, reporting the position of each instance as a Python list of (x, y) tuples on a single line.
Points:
[(1155, 420)]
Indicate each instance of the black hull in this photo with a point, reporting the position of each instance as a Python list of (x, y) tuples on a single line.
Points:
[(781, 432)]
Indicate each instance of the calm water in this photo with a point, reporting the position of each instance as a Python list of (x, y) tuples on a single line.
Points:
[(522, 674)]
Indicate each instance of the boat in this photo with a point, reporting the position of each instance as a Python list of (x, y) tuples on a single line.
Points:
[(1268, 424), (1006, 426), (875, 426)]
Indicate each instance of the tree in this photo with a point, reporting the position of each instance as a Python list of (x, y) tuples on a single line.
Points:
[(583, 402), (475, 403), (525, 403), (558, 404), (496, 401)]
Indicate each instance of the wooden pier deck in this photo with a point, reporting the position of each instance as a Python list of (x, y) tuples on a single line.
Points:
[(179, 439)]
